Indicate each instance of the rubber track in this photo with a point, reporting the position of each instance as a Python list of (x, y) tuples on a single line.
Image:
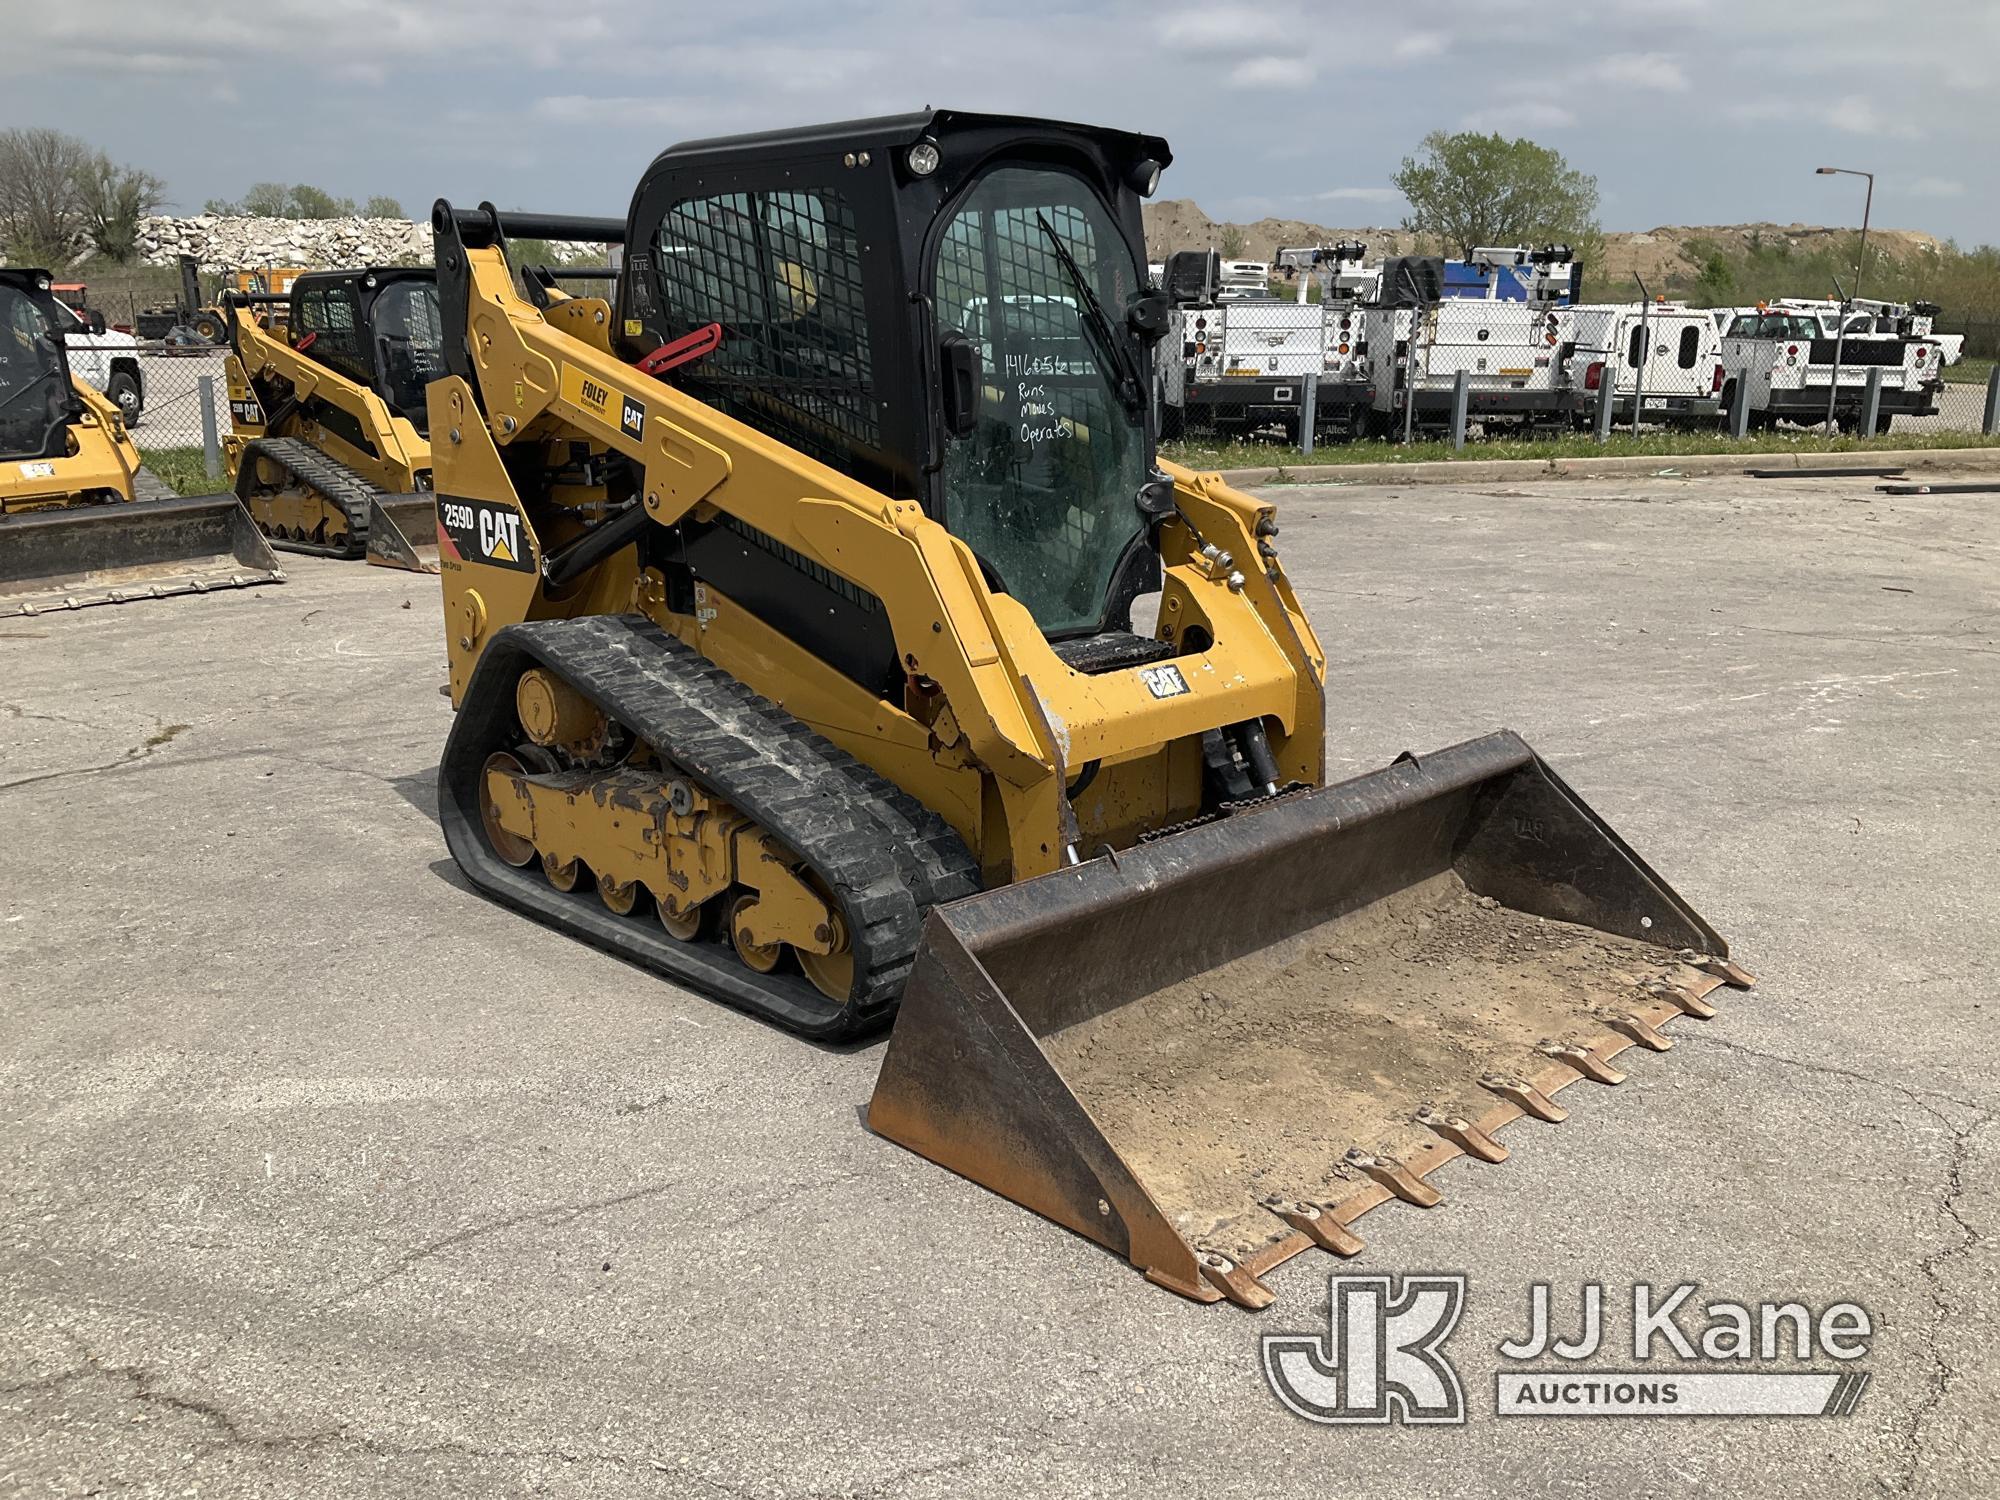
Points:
[(326, 476), (886, 858)]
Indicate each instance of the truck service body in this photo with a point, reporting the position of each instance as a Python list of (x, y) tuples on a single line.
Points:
[(1672, 354), (1785, 358)]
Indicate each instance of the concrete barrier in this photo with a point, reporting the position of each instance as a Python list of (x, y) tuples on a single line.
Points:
[(1495, 470)]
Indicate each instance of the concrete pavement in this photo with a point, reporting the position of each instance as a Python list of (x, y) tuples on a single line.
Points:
[(325, 1177)]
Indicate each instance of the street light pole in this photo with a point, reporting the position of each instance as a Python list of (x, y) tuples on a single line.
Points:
[(1861, 262)]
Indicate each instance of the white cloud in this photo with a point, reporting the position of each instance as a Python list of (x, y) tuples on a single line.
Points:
[(608, 109), (1419, 45), (1360, 195), (1643, 70), (1529, 114), (1937, 187), (1223, 28), (1272, 72), (1859, 116)]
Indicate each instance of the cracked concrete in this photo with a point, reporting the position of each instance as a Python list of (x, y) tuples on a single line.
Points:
[(324, 1177)]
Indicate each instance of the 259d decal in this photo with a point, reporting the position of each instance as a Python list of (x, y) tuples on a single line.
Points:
[(482, 532)]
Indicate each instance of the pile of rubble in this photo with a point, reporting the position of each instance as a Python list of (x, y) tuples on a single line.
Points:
[(226, 243)]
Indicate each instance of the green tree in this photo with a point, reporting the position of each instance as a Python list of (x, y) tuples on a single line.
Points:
[(309, 202), (1716, 285), (41, 205), (266, 200), (1469, 189), (113, 199), (382, 207), (1229, 240)]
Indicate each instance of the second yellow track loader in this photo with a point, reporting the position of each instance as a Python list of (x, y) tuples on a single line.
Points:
[(826, 636), (327, 443), (71, 533)]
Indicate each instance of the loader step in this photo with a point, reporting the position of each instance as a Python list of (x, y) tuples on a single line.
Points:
[(884, 857)]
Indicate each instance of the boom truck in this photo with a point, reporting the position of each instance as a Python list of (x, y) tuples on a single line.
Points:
[(797, 656)]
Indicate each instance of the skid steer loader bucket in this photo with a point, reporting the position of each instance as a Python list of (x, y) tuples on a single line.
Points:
[(403, 532), (1219, 1048), (142, 549)]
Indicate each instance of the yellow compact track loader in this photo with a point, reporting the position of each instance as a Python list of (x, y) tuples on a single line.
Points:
[(327, 443), (825, 635), (69, 532)]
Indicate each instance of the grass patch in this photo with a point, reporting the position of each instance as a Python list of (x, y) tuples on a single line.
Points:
[(1969, 372), (1253, 455), (183, 469)]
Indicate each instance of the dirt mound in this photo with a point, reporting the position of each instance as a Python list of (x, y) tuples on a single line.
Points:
[(1254, 1079)]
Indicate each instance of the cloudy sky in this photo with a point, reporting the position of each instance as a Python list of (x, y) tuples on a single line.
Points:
[(1687, 111)]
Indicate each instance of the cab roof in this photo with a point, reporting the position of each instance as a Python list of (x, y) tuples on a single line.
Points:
[(888, 131)]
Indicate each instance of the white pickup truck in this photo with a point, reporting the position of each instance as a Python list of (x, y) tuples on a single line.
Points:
[(1784, 359), (107, 359)]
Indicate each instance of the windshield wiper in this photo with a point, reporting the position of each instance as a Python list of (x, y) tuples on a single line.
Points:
[(1104, 341)]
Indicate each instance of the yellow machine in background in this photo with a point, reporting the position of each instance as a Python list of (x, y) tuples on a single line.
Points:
[(327, 446), (825, 635), (68, 470)]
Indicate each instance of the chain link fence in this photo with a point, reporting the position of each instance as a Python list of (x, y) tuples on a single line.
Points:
[(1297, 376)]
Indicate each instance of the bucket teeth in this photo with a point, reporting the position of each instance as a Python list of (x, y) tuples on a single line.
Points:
[(1463, 1134), (1317, 1225), (1233, 1281), (1682, 998), (1585, 1061), (1525, 1097), (1396, 1177), (1729, 973), (1637, 1029)]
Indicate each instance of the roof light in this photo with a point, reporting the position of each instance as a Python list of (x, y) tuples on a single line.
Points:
[(1144, 177), (923, 158)]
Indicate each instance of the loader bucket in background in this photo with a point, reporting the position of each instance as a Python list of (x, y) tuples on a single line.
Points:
[(142, 549), (1224, 1046), (403, 532)]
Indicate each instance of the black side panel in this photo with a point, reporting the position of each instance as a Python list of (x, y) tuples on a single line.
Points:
[(844, 626), (342, 424)]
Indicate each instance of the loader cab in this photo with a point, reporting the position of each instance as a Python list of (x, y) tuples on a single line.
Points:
[(37, 401), (378, 327), (950, 307)]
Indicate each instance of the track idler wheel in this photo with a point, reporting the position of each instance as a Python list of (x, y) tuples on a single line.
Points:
[(684, 925), (511, 847), (832, 974), (621, 898), (561, 873), (763, 957)]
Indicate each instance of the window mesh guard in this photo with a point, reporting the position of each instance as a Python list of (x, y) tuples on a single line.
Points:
[(781, 272)]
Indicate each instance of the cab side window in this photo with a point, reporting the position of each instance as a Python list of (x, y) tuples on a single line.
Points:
[(328, 314)]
